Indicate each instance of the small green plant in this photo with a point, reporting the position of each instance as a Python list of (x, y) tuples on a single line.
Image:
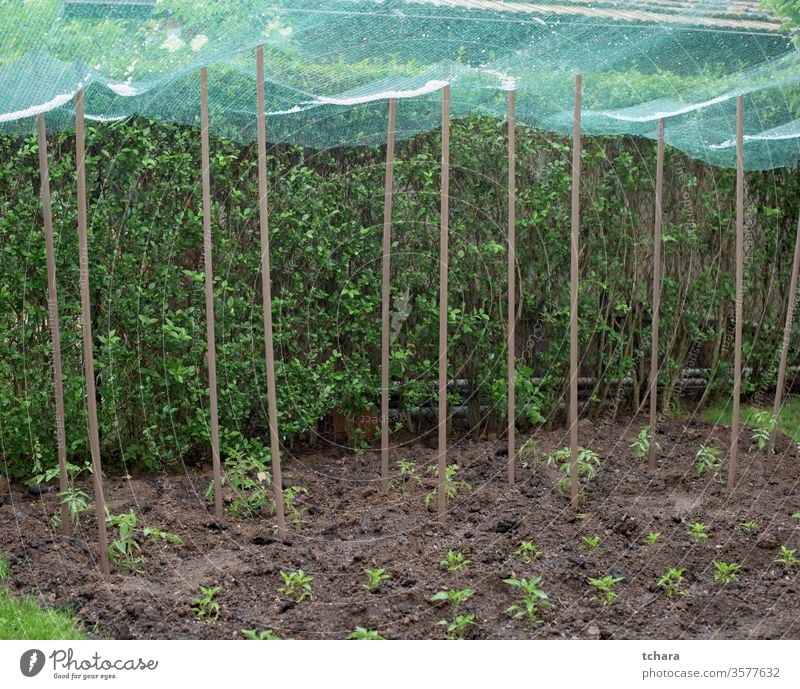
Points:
[(159, 535), (787, 559), (589, 542), (707, 460), (76, 501), (47, 475), (375, 577), (452, 485), (529, 454), (457, 627), (293, 512), (363, 634), (125, 548), (749, 527), (725, 572), (641, 446), (605, 587), (697, 531), (5, 566), (407, 475), (763, 427), (455, 561), (266, 635), (531, 599), (247, 477), (672, 582), (296, 585), (652, 537), (123, 551), (205, 606), (588, 464), (796, 515), (527, 552)]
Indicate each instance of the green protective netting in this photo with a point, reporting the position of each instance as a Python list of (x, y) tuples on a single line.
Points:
[(331, 65)]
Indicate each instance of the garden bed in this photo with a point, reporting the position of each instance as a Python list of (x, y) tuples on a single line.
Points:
[(350, 526)]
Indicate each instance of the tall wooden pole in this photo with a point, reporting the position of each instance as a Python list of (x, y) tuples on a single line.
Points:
[(573, 306), (211, 347), (443, 287), (266, 293), (52, 315), (88, 348), (656, 294), (787, 336), (512, 274), (737, 355), (388, 192)]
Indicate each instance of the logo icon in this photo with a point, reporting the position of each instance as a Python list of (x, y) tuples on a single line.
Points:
[(31, 662)]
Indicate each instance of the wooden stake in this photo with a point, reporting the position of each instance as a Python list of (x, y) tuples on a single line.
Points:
[(443, 287), (573, 307), (512, 274), (787, 335), (211, 347), (266, 294), (388, 192), (656, 295), (52, 315), (737, 355), (88, 348)]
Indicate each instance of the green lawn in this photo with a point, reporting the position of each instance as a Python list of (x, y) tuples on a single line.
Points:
[(24, 619), (789, 421)]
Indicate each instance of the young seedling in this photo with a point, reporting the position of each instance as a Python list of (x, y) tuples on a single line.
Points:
[(460, 623), (205, 606), (457, 629), (749, 527), (5, 566), (294, 514), (605, 587), (532, 598), (76, 501), (590, 542), (363, 634), (530, 457), (725, 571), (455, 561), (456, 598), (707, 460), (652, 537), (123, 550), (672, 582), (788, 560), (527, 552), (451, 484), (763, 426), (296, 585), (698, 532), (406, 476), (796, 516), (641, 446), (266, 635), (375, 577), (158, 534), (588, 464), (248, 479)]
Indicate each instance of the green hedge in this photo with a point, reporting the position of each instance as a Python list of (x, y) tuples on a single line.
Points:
[(326, 223)]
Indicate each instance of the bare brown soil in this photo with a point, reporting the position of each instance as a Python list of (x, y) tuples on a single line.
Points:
[(351, 526)]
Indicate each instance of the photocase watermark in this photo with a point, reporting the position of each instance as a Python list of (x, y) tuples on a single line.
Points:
[(66, 665), (31, 662)]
